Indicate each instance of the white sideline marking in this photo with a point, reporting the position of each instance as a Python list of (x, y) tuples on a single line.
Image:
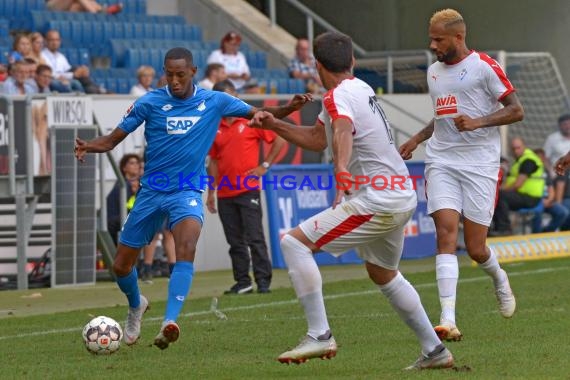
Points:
[(288, 302)]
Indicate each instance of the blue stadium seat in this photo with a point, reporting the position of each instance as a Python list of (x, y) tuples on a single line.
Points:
[(168, 31), (177, 32), (123, 86), (4, 28), (261, 59), (77, 32), (159, 32), (111, 85), (133, 58), (139, 30)]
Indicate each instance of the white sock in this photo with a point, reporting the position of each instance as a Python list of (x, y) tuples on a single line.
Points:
[(447, 274), (406, 301), (493, 269), (307, 282)]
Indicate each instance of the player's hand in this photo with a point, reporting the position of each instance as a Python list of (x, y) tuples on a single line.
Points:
[(344, 187), (211, 202), (407, 148), (562, 164), (464, 123), (299, 100), (80, 149), (262, 120), (258, 171)]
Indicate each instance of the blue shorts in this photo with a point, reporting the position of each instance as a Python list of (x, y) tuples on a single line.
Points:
[(152, 208)]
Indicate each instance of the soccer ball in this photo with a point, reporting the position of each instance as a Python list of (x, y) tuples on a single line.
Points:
[(102, 335)]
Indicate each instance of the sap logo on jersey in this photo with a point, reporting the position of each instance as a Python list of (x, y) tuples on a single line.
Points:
[(180, 125), (446, 105)]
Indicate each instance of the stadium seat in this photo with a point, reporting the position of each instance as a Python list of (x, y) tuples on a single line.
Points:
[(123, 85), (132, 58), (111, 85), (4, 28)]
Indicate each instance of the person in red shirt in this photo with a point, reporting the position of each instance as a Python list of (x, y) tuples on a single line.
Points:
[(234, 159)]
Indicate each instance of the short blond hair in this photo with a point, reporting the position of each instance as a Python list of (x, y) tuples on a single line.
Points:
[(143, 70), (447, 17)]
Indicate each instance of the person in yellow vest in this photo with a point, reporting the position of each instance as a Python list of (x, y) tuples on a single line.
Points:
[(523, 187)]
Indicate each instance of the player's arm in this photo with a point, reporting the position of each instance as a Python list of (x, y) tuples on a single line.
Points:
[(409, 146), (100, 144), (562, 164), (276, 146), (510, 113), (213, 172), (298, 101), (310, 138), (342, 151)]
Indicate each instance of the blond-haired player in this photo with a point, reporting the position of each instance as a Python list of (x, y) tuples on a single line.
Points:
[(471, 97)]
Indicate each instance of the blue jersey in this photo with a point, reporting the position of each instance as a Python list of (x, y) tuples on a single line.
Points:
[(179, 134)]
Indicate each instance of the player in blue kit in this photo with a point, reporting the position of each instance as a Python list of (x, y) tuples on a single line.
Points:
[(181, 124)]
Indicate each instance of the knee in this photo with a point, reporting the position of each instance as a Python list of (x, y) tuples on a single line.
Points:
[(477, 250), (379, 275), (121, 269)]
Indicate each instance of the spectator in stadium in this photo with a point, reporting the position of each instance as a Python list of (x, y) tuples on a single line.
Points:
[(17, 83), (30, 66), (37, 47), (130, 167), (552, 206), (67, 78), (239, 205), (41, 149), (302, 66), (3, 73), (371, 221), (558, 143), (234, 61), (43, 79), (215, 72), (464, 133), (90, 6), (22, 48), (168, 187), (145, 76), (523, 187)]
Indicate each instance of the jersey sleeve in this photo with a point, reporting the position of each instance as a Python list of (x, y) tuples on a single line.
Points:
[(267, 135), (136, 114), (230, 106), (497, 82), (337, 105)]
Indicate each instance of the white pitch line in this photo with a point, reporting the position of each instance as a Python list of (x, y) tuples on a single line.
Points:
[(290, 302)]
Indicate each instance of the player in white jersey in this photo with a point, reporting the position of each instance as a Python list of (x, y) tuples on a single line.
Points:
[(381, 200), (462, 158)]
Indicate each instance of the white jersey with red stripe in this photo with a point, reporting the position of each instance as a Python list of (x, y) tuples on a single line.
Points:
[(473, 87), (374, 155)]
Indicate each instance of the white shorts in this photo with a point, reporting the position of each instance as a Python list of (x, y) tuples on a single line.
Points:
[(377, 237), (471, 190)]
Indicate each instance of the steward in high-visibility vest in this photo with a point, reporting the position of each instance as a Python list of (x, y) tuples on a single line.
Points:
[(534, 185), (523, 188)]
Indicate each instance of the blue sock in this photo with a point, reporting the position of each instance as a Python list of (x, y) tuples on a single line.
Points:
[(130, 286), (178, 288)]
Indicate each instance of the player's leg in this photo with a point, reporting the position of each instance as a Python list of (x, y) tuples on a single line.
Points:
[(138, 231), (382, 258), (148, 258), (480, 186), (298, 251), (251, 220), (169, 248), (230, 215), (475, 238), (444, 196), (185, 221)]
